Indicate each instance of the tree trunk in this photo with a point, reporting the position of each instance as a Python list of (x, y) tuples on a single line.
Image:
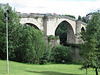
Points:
[(96, 70), (86, 69)]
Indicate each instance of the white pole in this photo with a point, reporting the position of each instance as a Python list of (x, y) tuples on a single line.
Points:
[(7, 42)]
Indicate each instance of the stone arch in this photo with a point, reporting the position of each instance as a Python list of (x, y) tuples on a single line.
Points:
[(31, 21), (70, 32), (32, 25), (71, 22)]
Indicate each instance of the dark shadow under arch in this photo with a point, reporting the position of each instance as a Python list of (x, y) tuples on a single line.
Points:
[(82, 29), (68, 35), (32, 25)]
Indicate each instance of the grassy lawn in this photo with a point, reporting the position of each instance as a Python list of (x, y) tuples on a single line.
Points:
[(52, 69)]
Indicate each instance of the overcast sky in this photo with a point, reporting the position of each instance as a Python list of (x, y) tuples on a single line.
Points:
[(71, 7)]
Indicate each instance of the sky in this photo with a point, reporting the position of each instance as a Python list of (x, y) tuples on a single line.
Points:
[(70, 7)]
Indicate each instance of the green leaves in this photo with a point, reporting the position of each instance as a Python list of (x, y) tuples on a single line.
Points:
[(30, 48), (26, 44), (91, 47), (61, 54), (79, 18)]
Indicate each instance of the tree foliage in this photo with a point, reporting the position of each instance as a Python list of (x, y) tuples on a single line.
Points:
[(90, 50), (30, 47), (61, 54), (25, 43), (84, 20), (13, 22), (79, 18)]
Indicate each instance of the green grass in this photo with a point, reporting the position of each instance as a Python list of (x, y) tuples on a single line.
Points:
[(51, 69)]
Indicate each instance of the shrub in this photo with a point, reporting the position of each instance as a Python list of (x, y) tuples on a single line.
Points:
[(61, 54), (51, 37), (30, 47)]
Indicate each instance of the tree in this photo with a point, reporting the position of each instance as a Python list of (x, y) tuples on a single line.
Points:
[(79, 18), (90, 50), (25, 43), (29, 47), (84, 20), (2, 34), (12, 24)]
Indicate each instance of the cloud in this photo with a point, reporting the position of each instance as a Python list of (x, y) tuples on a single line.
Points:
[(72, 7)]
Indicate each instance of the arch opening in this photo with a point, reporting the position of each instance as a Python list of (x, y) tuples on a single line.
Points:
[(82, 29), (65, 33), (30, 24)]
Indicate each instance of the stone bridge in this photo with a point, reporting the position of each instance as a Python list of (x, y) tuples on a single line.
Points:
[(49, 23)]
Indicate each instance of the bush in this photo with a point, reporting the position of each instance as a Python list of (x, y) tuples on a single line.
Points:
[(46, 56), (30, 48), (51, 37), (61, 54)]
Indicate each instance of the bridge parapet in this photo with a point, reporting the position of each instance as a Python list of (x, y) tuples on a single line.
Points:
[(27, 15), (32, 15)]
